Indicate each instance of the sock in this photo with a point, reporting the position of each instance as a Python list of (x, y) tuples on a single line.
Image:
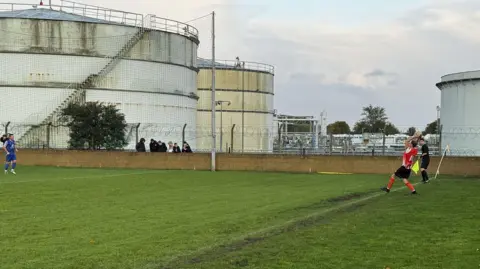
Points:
[(390, 183), (14, 165), (410, 186), (424, 175), (6, 166)]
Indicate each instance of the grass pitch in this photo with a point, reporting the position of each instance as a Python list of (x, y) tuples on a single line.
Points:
[(103, 218)]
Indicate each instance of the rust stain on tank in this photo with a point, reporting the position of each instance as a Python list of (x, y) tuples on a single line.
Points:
[(87, 38), (60, 38), (83, 35), (36, 32), (51, 38)]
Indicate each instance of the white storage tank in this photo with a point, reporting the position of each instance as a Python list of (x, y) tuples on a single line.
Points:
[(459, 113), (145, 65), (245, 92)]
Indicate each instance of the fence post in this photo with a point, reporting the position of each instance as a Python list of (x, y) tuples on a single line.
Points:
[(440, 141), (383, 143), (280, 145), (48, 134), (6, 128), (331, 143), (231, 137), (136, 133), (183, 133)]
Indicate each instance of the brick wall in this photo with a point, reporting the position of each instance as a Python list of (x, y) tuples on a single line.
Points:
[(248, 162)]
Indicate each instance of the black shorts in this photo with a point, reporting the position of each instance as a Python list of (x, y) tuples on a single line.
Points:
[(425, 162), (403, 172)]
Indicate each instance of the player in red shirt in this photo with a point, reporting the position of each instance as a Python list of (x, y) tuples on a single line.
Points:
[(405, 170)]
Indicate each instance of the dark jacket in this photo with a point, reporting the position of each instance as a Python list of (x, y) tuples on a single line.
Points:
[(141, 146), (176, 149), (186, 148), (162, 147), (154, 146)]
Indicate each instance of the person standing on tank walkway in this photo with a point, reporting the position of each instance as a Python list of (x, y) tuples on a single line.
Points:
[(425, 161)]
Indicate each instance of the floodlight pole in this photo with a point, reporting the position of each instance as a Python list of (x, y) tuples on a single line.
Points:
[(214, 138)]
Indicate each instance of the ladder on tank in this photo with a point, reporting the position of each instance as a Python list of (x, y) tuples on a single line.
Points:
[(38, 133)]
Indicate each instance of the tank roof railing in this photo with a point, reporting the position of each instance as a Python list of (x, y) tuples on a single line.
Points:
[(162, 24), (101, 13), (111, 16), (237, 65)]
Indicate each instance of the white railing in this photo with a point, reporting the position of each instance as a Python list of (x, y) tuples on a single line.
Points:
[(101, 13), (88, 11), (111, 16), (171, 26), (231, 64)]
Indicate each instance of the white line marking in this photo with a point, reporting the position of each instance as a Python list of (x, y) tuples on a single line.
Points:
[(277, 226), (80, 177)]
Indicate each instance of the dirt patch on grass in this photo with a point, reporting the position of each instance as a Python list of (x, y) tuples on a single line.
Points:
[(222, 250), (331, 201)]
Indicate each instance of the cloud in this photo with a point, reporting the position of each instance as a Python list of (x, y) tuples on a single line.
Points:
[(320, 64), (395, 64)]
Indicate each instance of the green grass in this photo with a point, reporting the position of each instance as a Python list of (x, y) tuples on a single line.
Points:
[(105, 218)]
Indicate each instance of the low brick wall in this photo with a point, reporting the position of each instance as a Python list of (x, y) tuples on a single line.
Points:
[(240, 162)]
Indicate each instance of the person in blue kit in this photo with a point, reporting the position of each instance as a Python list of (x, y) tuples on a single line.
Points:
[(11, 153)]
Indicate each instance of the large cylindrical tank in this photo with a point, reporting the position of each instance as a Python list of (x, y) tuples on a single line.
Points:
[(459, 113), (145, 65), (244, 112)]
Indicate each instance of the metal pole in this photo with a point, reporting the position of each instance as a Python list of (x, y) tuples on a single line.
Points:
[(243, 108), (6, 128), (438, 131), (214, 140), (136, 132), (221, 126), (183, 133), (231, 136)]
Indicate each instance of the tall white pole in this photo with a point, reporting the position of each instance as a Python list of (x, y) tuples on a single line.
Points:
[(214, 138)]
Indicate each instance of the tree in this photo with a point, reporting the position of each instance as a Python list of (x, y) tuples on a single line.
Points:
[(374, 120), (411, 131), (391, 129), (95, 126), (338, 127), (432, 128)]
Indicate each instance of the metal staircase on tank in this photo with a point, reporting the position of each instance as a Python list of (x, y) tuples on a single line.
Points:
[(36, 136)]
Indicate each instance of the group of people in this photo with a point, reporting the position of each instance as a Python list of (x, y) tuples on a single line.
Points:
[(10, 150), (404, 171), (159, 146)]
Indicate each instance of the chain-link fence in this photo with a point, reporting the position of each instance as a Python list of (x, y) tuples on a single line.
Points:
[(260, 139)]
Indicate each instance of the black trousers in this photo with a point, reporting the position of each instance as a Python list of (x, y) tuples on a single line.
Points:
[(425, 162)]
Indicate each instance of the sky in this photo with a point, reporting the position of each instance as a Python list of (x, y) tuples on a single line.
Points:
[(338, 56)]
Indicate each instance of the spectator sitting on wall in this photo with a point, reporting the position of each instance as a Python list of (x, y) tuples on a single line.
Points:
[(162, 147), (154, 146), (170, 146), (176, 148), (3, 139), (186, 147), (141, 145)]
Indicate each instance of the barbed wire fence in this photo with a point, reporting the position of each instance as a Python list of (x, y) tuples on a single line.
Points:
[(52, 137)]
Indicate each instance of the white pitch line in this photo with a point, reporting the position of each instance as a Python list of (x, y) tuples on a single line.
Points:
[(277, 226), (80, 177)]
